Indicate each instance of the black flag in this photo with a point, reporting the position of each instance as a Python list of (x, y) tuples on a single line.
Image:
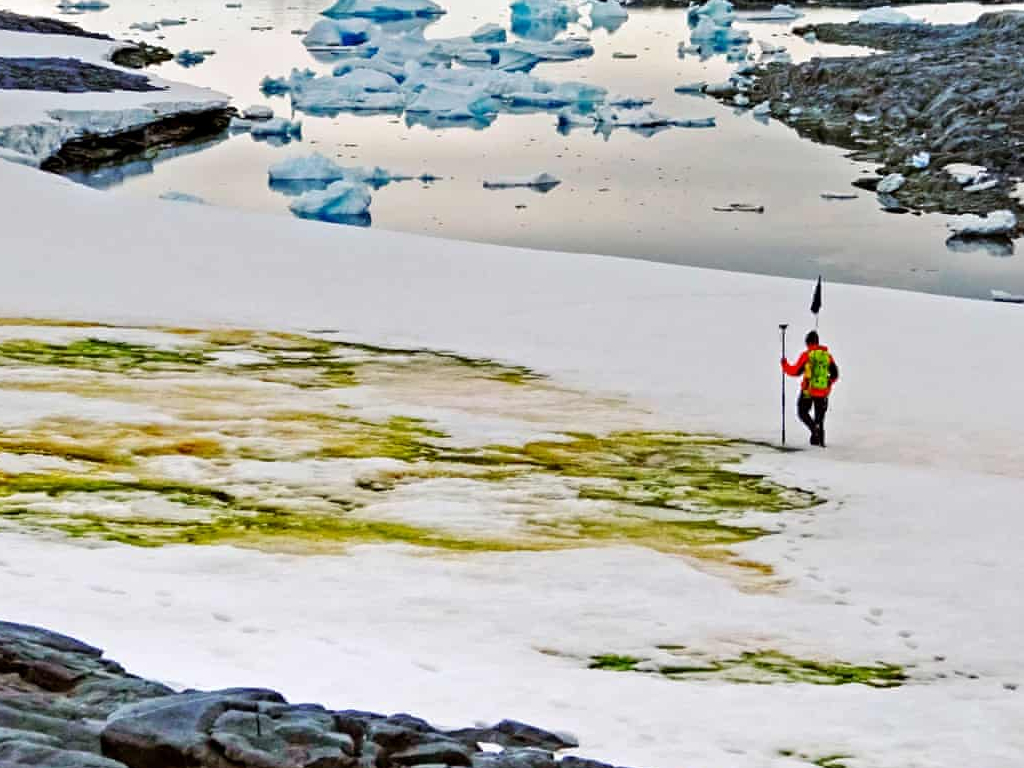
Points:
[(816, 301)]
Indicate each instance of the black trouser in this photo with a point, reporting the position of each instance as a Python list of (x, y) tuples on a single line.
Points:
[(803, 409)]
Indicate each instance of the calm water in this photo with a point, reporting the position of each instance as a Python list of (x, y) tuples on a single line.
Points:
[(642, 196)]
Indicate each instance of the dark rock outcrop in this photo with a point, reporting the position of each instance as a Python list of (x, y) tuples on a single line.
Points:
[(62, 705), (16, 22), (67, 76), (949, 90)]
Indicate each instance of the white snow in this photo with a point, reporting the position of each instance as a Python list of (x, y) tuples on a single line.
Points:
[(342, 198), (965, 173), (914, 555), (994, 224), (921, 160)]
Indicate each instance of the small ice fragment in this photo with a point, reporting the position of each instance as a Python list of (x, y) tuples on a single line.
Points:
[(489, 33), (997, 223), (623, 55), (145, 26), (981, 186), (921, 160), (740, 100), (777, 13), (891, 183), (965, 173), (838, 196), (257, 112), (764, 108)]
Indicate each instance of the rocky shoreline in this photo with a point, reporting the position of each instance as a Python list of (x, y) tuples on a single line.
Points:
[(63, 705), (936, 96), (70, 75)]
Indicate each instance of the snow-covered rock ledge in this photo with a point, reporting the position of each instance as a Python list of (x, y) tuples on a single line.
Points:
[(69, 706), (112, 110)]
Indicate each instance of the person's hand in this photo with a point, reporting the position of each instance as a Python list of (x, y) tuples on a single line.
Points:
[(784, 361)]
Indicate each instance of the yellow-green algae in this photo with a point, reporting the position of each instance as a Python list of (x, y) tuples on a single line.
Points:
[(670, 491), (761, 667)]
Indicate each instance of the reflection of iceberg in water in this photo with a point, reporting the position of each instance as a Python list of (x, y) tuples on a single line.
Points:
[(109, 176), (1000, 247), (434, 122)]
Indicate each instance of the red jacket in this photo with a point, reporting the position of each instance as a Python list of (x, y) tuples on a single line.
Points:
[(800, 368)]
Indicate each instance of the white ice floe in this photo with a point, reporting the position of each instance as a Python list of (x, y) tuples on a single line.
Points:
[(356, 90), (384, 10), (695, 87), (710, 31), (891, 183), (540, 181), (145, 26), (342, 198), (885, 15), (995, 224)]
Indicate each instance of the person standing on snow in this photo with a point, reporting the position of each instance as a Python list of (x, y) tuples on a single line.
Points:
[(820, 372)]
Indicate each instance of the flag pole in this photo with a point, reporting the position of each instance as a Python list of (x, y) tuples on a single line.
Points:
[(782, 331)]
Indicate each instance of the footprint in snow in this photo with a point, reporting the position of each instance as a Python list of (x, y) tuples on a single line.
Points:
[(222, 617), (107, 590), (905, 633), (877, 611)]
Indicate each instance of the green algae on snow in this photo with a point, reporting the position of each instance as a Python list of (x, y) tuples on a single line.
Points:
[(233, 395), (760, 667)]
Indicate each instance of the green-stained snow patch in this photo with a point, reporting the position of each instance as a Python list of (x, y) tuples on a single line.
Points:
[(303, 442), (757, 667)]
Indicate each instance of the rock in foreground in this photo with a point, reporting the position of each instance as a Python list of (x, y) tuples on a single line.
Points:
[(62, 705)]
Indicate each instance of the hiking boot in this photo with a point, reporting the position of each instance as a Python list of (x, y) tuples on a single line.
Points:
[(815, 440), (821, 437)]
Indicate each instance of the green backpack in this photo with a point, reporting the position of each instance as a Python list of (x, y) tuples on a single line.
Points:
[(818, 363)]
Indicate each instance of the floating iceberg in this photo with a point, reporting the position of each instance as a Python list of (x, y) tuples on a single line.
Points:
[(708, 31), (313, 167), (145, 26), (885, 15), (452, 102), (602, 11), (189, 58), (542, 181), (340, 200), (697, 87), (336, 33), (357, 90), (718, 11), (384, 10), (777, 13), (996, 224)]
